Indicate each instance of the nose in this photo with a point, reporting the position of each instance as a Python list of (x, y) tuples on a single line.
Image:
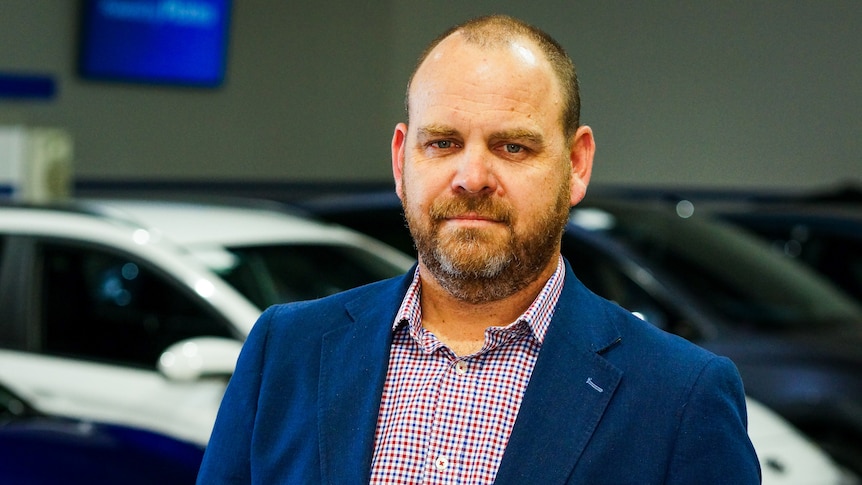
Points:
[(474, 173)]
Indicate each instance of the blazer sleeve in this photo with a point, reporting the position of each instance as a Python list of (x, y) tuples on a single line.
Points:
[(712, 445), (227, 459)]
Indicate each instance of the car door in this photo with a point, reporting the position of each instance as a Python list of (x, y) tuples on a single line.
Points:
[(98, 322)]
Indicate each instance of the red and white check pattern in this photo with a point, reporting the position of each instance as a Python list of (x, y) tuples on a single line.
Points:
[(446, 419)]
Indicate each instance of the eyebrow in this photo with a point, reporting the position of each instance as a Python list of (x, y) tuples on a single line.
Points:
[(520, 134), (436, 131)]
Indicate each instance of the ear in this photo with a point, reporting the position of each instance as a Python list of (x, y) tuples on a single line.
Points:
[(582, 151), (399, 140)]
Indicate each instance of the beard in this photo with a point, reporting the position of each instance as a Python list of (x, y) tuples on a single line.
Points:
[(479, 265)]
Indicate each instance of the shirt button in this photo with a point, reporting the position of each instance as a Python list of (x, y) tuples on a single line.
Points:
[(441, 463), (460, 367)]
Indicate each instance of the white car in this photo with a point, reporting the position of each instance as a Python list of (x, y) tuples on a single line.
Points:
[(134, 311), (786, 456)]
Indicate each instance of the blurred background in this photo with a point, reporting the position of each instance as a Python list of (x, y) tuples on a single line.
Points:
[(724, 204), (734, 94)]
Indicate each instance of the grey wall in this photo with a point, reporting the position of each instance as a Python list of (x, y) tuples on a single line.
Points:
[(718, 94)]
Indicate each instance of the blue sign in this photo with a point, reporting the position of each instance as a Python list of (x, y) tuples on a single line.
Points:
[(155, 41)]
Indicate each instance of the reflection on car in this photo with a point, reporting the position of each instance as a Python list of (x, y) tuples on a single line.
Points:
[(134, 312)]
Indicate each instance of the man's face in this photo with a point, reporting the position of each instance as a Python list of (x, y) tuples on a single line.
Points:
[(484, 169)]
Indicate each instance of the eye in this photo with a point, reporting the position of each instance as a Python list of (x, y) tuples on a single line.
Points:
[(513, 148), (443, 144)]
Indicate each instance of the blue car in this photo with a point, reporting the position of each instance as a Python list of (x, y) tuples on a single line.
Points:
[(38, 449)]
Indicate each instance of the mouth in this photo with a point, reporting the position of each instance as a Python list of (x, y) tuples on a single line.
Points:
[(473, 221)]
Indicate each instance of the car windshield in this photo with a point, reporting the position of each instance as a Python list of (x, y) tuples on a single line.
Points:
[(728, 272), (280, 273)]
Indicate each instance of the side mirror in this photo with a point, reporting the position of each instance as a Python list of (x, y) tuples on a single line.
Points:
[(194, 358)]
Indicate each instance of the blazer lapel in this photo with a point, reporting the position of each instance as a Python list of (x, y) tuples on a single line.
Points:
[(354, 360), (568, 392)]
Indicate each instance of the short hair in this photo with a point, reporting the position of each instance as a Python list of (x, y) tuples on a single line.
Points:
[(498, 30)]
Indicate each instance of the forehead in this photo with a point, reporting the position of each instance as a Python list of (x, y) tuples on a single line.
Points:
[(513, 76)]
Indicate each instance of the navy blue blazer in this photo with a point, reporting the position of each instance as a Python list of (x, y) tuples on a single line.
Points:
[(612, 399)]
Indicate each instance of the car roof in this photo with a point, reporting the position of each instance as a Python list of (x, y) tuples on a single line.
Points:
[(191, 223)]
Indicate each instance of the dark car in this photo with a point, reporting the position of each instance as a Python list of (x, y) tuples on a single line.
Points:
[(39, 449), (796, 340), (822, 229), (826, 236)]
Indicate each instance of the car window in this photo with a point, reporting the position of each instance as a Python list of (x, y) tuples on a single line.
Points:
[(104, 306), (384, 224), (837, 256), (14, 289), (840, 259), (267, 275)]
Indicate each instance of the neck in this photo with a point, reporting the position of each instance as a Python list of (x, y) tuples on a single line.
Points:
[(461, 325)]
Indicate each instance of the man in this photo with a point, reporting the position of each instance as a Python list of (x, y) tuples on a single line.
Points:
[(490, 363)]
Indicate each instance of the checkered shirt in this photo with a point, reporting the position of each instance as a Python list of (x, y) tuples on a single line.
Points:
[(446, 419)]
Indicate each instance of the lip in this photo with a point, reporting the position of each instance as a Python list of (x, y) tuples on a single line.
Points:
[(472, 218)]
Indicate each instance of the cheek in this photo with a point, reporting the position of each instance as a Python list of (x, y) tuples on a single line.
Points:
[(540, 197), (422, 185), (414, 195)]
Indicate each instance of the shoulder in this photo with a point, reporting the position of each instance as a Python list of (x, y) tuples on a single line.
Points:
[(633, 345), (647, 350), (696, 398)]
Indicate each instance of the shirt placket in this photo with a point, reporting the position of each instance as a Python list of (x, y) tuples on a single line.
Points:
[(449, 431)]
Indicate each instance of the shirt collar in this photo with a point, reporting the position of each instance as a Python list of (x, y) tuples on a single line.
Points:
[(537, 316)]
